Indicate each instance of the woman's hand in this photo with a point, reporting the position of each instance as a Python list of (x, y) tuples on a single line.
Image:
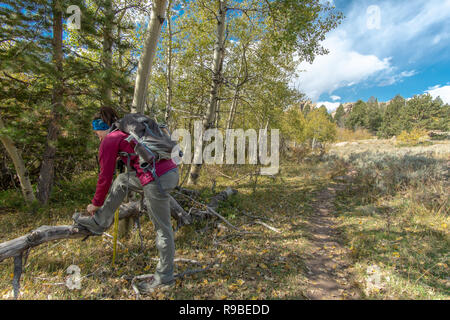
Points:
[(91, 209)]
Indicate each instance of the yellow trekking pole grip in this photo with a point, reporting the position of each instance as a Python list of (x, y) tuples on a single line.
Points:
[(116, 231)]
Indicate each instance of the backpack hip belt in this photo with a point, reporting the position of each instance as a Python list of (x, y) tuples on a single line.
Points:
[(145, 166)]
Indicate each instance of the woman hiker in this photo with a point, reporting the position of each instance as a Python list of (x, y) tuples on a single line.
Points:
[(103, 207)]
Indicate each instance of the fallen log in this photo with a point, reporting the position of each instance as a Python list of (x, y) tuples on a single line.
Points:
[(135, 208), (20, 247), (16, 247), (38, 236), (212, 206), (43, 234)]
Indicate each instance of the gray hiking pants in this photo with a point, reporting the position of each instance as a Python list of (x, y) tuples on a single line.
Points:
[(158, 211)]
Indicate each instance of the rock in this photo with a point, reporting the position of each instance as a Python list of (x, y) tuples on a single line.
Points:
[(341, 144)]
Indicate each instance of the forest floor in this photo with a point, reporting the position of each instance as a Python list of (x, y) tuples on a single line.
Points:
[(312, 235)]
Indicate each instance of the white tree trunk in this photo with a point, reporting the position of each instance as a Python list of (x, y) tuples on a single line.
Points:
[(145, 63), (25, 184), (169, 67), (219, 52)]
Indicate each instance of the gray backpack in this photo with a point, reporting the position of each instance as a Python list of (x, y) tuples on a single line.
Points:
[(147, 132), (152, 140)]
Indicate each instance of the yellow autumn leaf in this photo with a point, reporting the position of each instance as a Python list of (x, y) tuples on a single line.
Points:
[(160, 295), (232, 287)]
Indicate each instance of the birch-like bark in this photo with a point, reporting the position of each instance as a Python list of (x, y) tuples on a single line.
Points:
[(44, 234), (145, 63), (21, 246), (19, 165), (237, 89), (219, 52), (169, 66), (232, 112)]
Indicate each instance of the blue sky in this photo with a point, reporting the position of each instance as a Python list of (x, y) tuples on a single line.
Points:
[(382, 48)]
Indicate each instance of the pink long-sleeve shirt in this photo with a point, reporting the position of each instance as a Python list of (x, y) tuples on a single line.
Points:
[(109, 150)]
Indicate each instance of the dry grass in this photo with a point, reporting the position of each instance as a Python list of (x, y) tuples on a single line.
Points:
[(395, 218), (343, 134), (402, 230), (266, 265)]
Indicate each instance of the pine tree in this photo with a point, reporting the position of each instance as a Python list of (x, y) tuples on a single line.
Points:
[(358, 117), (374, 115), (392, 123), (49, 80), (339, 116), (422, 112)]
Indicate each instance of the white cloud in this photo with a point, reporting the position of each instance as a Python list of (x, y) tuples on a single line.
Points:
[(391, 77), (331, 106), (335, 98), (439, 38), (341, 67), (438, 91), (407, 34), (407, 27)]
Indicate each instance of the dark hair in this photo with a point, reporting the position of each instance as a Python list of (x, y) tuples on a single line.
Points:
[(107, 114)]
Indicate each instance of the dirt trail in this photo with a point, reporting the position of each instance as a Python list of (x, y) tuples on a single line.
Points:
[(329, 276)]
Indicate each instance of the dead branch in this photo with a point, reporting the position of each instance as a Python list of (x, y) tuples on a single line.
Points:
[(212, 205), (19, 248), (183, 260), (267, 226)]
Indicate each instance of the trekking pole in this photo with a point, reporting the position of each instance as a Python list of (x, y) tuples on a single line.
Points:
[(116, 231)]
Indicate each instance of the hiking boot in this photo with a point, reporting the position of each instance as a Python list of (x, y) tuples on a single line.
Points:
[(151, 285), (89, 223)]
